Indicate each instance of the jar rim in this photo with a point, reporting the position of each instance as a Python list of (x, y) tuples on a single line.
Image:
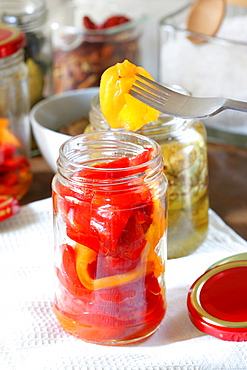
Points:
[(74, 154), (27, 18)]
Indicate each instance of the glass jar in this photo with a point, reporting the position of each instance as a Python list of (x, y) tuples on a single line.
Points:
[(184, 148), (15, 174), (110, 220), (81, 53), (31, 16), (215, 67)]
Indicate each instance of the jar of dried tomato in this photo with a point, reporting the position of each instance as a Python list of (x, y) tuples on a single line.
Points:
[(110, 221), (184, 148), (15, 174), (90, 37)]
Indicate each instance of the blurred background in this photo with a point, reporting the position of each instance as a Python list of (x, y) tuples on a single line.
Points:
[(69, 46), (216, 67), (155, 11)]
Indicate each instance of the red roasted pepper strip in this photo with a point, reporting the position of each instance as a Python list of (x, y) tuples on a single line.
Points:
[(96, 219)]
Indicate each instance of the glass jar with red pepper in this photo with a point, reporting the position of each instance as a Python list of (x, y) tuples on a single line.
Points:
[(15, 174), (110, 222)]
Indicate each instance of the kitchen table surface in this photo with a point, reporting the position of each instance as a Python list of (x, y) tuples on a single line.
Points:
[(227, 184)]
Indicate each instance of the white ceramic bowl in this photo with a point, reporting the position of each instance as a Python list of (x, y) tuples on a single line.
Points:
[(50, 114)]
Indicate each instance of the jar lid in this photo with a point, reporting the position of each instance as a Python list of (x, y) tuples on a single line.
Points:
[(9, 206), (11, 40), (217, 301)]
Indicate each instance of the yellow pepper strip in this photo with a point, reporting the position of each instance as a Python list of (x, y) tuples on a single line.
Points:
[(85, 256), (6, 137), (153, 236), (119, 108), (158, 226)]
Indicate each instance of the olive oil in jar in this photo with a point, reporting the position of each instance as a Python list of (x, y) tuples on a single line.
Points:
[(184, 150)]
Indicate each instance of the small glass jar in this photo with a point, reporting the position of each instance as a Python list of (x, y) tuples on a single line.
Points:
[(110, 221), (184, 148), (31, 16), (81, 54), (15, 174)]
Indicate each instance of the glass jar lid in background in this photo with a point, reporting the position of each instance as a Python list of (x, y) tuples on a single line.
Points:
[(11, 40)]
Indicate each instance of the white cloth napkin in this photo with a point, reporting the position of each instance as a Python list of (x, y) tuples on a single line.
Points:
[(31, 338)]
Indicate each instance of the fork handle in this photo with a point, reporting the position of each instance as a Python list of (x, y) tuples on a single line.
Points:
[(236, 105)]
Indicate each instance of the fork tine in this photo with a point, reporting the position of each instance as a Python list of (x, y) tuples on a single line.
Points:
[(148, 99), (150, 93), (161, 98), (178, 104), (152, 84), (150, 88)]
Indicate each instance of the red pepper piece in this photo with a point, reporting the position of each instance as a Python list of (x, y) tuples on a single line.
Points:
[(117, 166), (132, 240), (115, 20), (89, 24), (6, 150), (14, 163), (9, 179), (68, 275), (86, 239), (109, 221), (152, 285), (113, 264), (96, 219)]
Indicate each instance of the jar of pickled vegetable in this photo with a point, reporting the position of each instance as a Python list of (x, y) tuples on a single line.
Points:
[(184, 148), (110, 221), (15, 174), (87, 38)]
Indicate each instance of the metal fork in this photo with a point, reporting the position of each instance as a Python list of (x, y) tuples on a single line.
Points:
[(173, 103)]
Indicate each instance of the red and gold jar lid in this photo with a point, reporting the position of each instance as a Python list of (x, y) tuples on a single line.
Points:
[(217, 301), (11, 40), (9, 206)]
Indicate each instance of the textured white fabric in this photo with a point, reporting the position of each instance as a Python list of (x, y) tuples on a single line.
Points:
[(31, 338)]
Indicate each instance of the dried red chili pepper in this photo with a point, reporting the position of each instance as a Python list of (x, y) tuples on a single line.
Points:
[(113, 21), (89, 24), (116, 20)]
